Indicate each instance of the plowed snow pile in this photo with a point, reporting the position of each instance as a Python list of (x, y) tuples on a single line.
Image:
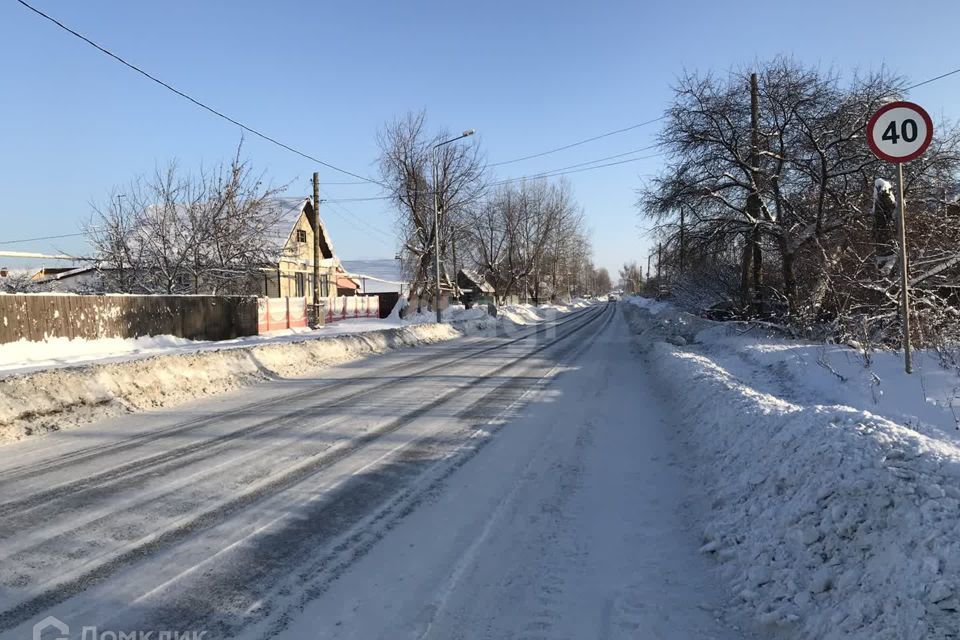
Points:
[(835, 513), (165, 371), (68, 397)]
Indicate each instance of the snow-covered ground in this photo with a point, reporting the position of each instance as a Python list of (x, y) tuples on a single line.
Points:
[(522, 486), (835, 476), (24, 357), (59, 384), (621, 471)]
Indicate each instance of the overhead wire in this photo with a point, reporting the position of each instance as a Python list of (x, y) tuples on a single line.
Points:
[(574, 168), (560, 172), (193, 100), (25, 240), (571, 169), (934, 79), (350, 217), (579, 142)]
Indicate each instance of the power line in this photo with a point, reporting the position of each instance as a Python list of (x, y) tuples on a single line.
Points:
[(370, 199), (191, 99), (934, 79), (544, 174), (560, 172), (579, 142), (619, 155), (352, 218), (663, 117), (25, 240)]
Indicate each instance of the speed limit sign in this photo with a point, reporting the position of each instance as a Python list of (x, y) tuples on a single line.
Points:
[(899, 132)]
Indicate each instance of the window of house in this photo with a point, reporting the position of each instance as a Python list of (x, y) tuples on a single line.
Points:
[(301, 285), (301, 235)]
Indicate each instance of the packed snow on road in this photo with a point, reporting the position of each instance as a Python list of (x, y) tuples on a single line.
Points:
[(600, 470)]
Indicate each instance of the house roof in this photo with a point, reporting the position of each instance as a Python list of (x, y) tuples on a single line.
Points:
[(381, 275), (343, 282), (288, 212), (478, 281), (47, 274)]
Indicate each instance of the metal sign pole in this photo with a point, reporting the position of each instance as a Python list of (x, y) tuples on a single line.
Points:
[(904, 272)]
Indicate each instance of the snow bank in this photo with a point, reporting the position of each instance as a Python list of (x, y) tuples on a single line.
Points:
[(20, 355), (650, 304), (827, 519), (519, 314), (118, 375), (56, 399), (24, 356)]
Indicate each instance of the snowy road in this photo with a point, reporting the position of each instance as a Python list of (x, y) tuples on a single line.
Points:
[(520, 486)]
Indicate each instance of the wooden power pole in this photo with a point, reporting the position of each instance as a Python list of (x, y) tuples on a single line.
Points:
[(682, 244), (659, 257), (753, 200), (317, 311)]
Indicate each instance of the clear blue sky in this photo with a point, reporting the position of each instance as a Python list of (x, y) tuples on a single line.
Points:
[(324, 76)]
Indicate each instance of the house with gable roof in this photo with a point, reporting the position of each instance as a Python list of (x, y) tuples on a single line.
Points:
[(293, 273)]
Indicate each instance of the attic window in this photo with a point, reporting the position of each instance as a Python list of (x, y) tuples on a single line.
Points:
[(301, 235)]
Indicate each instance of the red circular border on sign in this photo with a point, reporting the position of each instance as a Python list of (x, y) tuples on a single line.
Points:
[(894, 105)]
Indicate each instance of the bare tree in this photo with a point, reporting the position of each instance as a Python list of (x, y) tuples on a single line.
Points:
[(803, 222), (176, 232), (18, 281), (527, 239), (406, 168), (631, 280)]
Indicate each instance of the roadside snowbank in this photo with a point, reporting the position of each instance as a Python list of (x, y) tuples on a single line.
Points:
[(55, 399), (519, 314), (828, 519), (24, 356), (92, 380)]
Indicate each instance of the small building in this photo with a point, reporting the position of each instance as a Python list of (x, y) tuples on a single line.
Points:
[(293, 273), (346, 286), (68, 279), (49, 273), (474, 288), (380, 277)]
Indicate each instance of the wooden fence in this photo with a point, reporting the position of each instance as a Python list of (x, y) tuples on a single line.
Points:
[(36, 317)]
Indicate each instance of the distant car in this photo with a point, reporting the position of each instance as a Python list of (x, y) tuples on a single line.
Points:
[(612, 297)]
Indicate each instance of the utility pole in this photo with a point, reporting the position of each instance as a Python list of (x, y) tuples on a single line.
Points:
[(317, 319), (436, 212), (453, 247), (753, 200), (649, 257), (659, 257), (436, 236), (682, 247)]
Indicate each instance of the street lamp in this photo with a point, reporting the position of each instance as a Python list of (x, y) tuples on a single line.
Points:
[(436, 213)]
